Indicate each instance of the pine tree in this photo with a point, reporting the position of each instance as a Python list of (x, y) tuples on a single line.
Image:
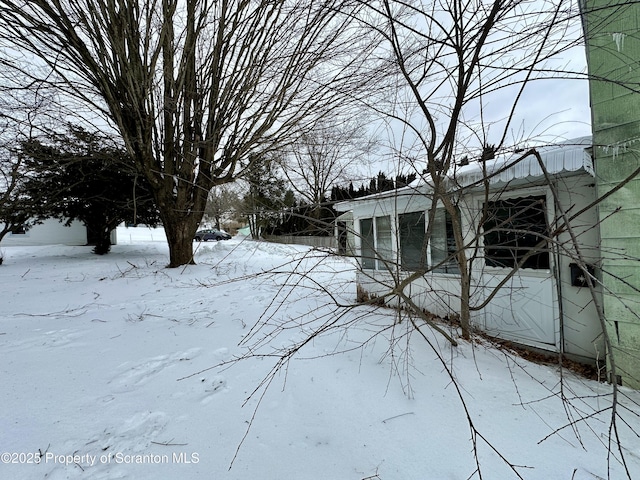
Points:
[(85, 176)]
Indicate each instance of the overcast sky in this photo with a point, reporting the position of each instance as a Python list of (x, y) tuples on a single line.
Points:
[(549, 111)]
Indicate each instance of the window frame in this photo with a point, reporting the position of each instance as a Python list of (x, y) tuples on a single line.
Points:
[(367, 244), (520, 244), (449, 266), (384, 253), (407, 248)]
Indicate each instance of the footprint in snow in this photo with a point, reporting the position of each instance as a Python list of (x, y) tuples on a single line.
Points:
[(133, 375), (213, 387)]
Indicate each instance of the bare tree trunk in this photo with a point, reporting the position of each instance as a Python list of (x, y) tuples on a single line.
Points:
[(103, 241), (465, 295), (197, 89), (180, 238)]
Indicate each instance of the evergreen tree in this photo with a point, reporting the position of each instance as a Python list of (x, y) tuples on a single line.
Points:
[(17, 208), (84, 176), (263, 203)]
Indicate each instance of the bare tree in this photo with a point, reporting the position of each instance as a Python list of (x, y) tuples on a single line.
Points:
[(21, 115), (443, 65), (325, 156), (195, 88), (223, 201), (449, 62)]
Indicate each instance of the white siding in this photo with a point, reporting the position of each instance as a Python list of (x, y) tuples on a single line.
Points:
[(570, 324), (50, 232)]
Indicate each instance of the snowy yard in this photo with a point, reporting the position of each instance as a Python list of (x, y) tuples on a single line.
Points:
[(110, 371)]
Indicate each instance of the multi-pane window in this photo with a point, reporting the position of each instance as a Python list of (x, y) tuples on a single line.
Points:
[(413, 242), (417, 252), (367, 245), (515, 233), (384, 247), (443, 243), (375, 244)]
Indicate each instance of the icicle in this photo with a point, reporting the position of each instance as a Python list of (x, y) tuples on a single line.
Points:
[(619, 147), (619, 39)]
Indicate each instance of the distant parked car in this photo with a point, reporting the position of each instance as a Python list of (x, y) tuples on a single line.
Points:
[(206, 235)]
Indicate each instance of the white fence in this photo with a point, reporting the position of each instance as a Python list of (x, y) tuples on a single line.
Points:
[(327, 242)]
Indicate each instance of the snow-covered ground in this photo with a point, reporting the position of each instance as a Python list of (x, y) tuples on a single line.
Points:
[(111, 370)]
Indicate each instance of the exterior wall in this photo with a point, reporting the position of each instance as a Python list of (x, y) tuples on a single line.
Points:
[(50, 232), (579, 331), (547, 297), (439, 293), (612, 30)]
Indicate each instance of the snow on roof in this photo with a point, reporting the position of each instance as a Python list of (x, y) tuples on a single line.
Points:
[(569, 156)]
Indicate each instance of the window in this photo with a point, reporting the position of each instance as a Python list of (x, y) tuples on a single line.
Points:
[(383, 242), (413, 244), (515, 228), (375, 244), (342, 238), (367, 249), (416, 252), (443, 244)]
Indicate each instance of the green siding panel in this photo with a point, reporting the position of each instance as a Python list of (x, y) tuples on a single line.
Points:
[(616, 226), (627, 365), (612, 168), (622, 280), (618, 112), (613, 53), (624, 248), (619, 310)]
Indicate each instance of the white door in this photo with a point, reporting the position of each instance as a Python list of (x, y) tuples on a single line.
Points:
[(524, 310)]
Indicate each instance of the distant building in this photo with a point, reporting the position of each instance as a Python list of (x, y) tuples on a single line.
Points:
[(50, 232)]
